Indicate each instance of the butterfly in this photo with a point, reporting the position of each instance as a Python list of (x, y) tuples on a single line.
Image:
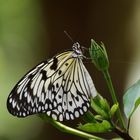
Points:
[(60, 87)]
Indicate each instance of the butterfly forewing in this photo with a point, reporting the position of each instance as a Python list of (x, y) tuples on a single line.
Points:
[(60, 87)]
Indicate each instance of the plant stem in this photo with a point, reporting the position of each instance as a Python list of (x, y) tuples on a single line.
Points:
[(114, 98), (122, 134), (70, 130)]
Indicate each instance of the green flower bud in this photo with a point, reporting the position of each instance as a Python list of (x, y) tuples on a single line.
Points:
[(99, 56)]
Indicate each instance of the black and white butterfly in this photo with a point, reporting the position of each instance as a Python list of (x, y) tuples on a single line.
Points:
[(60, 87)]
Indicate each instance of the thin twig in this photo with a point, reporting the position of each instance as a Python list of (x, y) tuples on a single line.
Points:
[(68, 129)]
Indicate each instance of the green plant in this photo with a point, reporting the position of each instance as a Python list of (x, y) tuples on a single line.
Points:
[(103, 118)]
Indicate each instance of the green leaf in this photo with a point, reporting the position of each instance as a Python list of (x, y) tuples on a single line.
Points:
[(113, 110), (104, 104), (97, 127), (98, 109), (89, 117), (98, 117), (131, 99), (101, 106)]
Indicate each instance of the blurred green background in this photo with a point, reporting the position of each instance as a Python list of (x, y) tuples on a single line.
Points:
[(32, 31)]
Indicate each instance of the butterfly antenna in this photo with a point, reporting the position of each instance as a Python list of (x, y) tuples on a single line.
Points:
[(66, 33)]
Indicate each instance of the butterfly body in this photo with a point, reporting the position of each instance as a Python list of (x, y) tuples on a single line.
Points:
[(60, 87)]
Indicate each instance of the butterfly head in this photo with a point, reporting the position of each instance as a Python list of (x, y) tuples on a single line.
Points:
[(77, 49)]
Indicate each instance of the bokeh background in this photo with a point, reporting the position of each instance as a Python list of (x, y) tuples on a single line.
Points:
[(33, 30)]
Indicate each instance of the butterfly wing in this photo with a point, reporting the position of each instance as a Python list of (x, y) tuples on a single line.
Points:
[(52, 88), (74, 92)]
